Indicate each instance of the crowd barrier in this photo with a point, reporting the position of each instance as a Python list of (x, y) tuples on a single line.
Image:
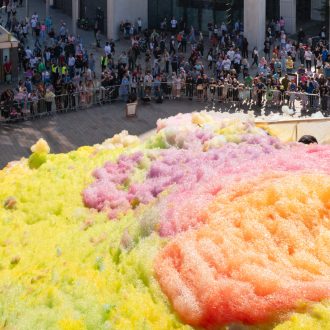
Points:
[(24, 108)]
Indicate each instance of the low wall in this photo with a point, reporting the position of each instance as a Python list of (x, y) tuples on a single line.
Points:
[(293, 130)]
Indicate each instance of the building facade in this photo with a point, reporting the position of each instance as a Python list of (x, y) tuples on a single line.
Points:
[(254, 14), (108, 13), (197, 13)]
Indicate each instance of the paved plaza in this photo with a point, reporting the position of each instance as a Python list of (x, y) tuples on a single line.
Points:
[(68, 131)]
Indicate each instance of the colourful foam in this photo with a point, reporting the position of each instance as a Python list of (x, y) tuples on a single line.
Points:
[(263, 250), (191, 185)]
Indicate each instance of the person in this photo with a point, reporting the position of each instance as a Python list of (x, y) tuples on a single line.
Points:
[(189, 86), (308, 58), (48, 23), (325, 54), (245, 46), (107, 49), (301, 54), (49, 97), (139, 25), (260, 90), (282, 23), (71, 65), (289, 65), (210, 59), (96, 27), (98, 39), (7, 68), (124, 88), (301, 35), (91, 64), (237, 61), (308, 139), (255, 56), (210, 29), (323, 33), (267, 48), (174, 24)]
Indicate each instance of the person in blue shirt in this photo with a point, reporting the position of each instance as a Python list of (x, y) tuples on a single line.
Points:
[(324, 55), (327, 70), (124, 88), (48, 23), (310, 87)]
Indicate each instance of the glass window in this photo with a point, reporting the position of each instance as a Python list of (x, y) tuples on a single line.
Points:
[(197, 13), (192, 17)]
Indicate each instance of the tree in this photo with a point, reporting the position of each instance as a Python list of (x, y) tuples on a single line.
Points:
[(229, 12)]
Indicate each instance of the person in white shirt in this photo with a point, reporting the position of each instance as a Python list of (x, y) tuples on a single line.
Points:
[(139, 24), (33, 62), (231, 54), (216, 30), (226, 64), (35, 16), (308, 59), (223, 28), (71, 64), (174, 23), (28, 53), (288, 47), (107, 49), (33, 25), (237, 61)]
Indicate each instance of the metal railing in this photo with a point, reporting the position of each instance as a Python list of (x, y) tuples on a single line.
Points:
[(29, 108)]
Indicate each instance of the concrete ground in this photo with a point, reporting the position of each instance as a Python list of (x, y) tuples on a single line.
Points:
[(69, 131)]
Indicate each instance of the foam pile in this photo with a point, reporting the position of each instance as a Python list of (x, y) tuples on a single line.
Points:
[(209, 222), (261, 252)]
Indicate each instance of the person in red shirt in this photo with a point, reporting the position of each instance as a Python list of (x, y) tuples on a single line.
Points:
[(7, 68)]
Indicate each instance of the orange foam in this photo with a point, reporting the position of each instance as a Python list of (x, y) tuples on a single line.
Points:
[(264, 248)]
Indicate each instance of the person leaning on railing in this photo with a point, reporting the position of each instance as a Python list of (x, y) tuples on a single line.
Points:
[(58, 88), (205, 86), (213, 87), (199, 87), (324, 94), (49, 98), (189, 85), (71, 89), (260, 87)]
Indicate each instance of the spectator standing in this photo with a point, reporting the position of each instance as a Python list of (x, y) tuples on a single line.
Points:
[(107, 49), (174, 24), (267, 48), (245, 47), (301, 54), (71, 64), (282, 23), (139, 25), (48, 23), (7, 68), (255, 56), (301, 35), (49, 98), (308, 58)]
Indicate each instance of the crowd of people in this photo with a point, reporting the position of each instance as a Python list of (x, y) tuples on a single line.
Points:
[(221, 67), (172, 61)]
